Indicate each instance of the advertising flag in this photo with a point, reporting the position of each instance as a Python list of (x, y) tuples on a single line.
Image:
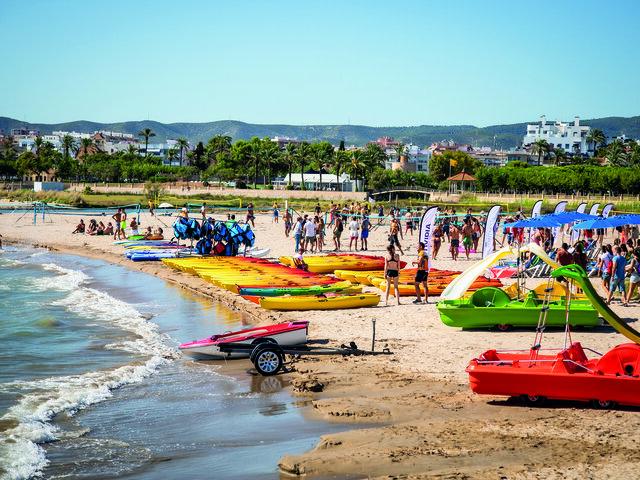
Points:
[(535, 212), (426, 230), (607, 208), (594, 209), (490, 231)]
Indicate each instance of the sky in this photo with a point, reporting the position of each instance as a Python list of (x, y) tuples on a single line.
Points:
[(376, 63)]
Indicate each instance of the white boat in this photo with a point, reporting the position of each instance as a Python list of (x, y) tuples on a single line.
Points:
[(285, 334)]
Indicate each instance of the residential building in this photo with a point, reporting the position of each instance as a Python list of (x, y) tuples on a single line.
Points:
[(415, 159), (570, 138)]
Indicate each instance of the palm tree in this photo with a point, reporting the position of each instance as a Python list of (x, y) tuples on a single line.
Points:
[(172, 154), (86, 144), (400, 150), (218, 144), (303, 156), (617, 154), (596, 137), (321, 154), (182, 145), (255, 154), (270, 153), (146, 133), (340, 161), (560, 155), (290, 152), (357, 161), (68, 144), (131, 149), (541, 148), (374, 158), (38, 143)]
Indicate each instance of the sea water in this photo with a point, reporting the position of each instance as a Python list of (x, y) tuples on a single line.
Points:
[(92, 384)]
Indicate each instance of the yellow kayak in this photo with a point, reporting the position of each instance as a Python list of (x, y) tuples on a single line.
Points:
[(320, 302), (357, 276)]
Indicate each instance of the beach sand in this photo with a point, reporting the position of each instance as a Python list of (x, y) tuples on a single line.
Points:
[(421, 418)]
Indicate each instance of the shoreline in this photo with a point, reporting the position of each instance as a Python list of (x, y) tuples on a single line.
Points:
[(433, 424)]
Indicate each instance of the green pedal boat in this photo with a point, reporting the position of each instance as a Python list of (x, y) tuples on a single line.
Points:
[(491, 307)]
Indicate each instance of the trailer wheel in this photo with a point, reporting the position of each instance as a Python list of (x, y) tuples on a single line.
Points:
[(503, 328), (267, 359), (533, 400), (603, 404)]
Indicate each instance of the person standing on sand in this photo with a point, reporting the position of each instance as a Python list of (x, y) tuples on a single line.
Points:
[(422, 274), (276, 212), (203, 211), (117, 219), (364, 235), (467, 232), (297, 233), (337, 233), (392, 273), (310, 231), (617, 279), (454, 233), (319, 232), (250, 216), (394, 230), (287, 223), (354, 228), (151, 205)]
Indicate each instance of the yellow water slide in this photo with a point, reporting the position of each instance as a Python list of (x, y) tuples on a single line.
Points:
[(457, 288)]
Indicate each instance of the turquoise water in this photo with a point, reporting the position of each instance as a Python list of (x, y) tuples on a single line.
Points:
[(92, 384)]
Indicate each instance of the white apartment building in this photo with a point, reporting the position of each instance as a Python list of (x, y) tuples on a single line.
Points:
[(570, 138)]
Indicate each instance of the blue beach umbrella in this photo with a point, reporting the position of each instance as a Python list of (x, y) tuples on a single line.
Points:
[(544, 221)]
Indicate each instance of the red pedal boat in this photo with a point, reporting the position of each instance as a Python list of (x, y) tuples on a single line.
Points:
[(567, 373)]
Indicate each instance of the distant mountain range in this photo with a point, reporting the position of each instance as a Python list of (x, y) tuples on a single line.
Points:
[(503, 136)]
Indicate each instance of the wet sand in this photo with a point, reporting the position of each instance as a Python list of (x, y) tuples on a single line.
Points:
[(433, 426)]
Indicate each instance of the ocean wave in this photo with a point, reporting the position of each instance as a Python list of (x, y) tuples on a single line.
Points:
[(66, 280), (20, 454), (101, 308)]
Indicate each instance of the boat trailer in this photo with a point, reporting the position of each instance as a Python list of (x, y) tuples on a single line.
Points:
[(268, 356)]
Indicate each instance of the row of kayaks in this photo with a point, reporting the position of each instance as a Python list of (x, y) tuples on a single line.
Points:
[(276, 286)]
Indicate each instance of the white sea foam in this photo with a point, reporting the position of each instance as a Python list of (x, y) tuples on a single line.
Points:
[(21, 455), (67, 279)]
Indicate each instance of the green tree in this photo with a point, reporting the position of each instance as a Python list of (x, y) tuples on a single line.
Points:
[(596, 137), (182, 145), (559, 155), (216, 145), (146, 133), (341, 161), (451, 163), (85, 146), (616, 154), (172, 154), (303, 157), (255, 155), (290, 152), (270, 154), (68, 145), (400, 150), (374, 159), (357, 162), (321, 153), (541, 148)]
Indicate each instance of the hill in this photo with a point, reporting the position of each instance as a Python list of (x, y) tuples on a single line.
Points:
[(504, 136)]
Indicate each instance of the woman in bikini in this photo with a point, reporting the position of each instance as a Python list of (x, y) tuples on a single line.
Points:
[(437, 241), (392, 272)]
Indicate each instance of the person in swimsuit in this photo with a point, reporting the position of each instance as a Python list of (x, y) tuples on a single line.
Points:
[(455, 241), (394, 229), (422, 274), (437, 241), (467, 232), (80, 227), (392, 272), (287, 223), (408, 222), (276, 213)]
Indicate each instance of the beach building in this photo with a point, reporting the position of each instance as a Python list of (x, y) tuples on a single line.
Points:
[(570, 138), (330, 181)]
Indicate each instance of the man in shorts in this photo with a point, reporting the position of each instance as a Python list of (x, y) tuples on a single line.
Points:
[(617, 278), (337, 233), (250, 215), (467, 232), (422, 274), (394, 230), (364, 233), (310, 228), (454, 233)]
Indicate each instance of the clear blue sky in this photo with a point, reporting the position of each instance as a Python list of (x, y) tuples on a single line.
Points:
[(378, 63)]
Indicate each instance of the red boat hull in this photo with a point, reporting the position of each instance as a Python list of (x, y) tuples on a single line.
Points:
[(569, 375)]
